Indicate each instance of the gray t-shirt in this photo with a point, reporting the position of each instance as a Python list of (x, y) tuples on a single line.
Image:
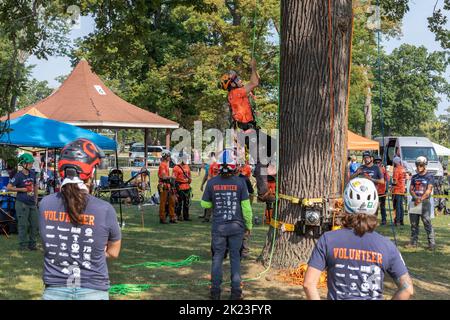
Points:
[(75, 254), (356, 265), (20, 180), (226, 194)]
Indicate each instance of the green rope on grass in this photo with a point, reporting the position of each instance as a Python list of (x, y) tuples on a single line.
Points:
[(186, 262), (124, 289)]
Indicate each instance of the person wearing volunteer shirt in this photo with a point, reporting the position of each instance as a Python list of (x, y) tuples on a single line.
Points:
[(369, 170), (421, 189), (79, 232), (227, 195), (24, 183), (398, 189), (356, 257)]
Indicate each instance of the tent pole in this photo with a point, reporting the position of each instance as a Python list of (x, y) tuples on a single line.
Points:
[(145, 147), (54, 170), (120, 202)]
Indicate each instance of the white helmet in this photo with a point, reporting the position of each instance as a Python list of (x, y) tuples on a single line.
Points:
[(165, 154), (361, 196), (421, 160)]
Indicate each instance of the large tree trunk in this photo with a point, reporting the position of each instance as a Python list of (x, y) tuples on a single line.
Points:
[(312, 137)]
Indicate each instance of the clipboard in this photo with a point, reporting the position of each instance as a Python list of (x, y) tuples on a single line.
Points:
[(413, 209)]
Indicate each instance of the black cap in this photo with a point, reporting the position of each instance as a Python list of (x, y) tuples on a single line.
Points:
[(378, 158), (366, 154)]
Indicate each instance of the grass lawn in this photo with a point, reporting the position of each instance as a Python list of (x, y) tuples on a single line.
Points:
[(20, 273)]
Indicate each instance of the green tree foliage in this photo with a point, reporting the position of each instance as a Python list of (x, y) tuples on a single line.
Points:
[(365, 73), (437, 23), (34, 91), (437, 130), (36, 27), (167, 57), (412, 77)]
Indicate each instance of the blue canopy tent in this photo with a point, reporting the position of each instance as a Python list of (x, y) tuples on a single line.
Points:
[(30, 131)]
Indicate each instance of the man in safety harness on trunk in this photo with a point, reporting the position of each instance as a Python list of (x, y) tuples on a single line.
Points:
[(240, 100)]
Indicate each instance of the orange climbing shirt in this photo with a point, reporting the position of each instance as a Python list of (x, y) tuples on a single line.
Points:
[(241, 110)]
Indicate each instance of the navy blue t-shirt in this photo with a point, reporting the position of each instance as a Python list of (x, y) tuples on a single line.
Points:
[(21, 180), (226, 195), (420, 183), (356, 265), (373, 172), (75, 254)]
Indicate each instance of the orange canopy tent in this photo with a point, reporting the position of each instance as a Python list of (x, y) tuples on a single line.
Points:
[(359, 143)]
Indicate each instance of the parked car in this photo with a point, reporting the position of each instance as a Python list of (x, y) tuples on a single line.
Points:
[(136, 154)]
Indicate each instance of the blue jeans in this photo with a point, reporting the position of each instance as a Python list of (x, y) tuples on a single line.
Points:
[(382, 206), (65, 293), (230, 238)]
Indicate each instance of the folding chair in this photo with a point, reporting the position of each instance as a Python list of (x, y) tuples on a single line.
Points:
[(6, 219)]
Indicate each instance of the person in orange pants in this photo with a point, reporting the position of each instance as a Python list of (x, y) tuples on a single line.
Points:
[(165, 189)]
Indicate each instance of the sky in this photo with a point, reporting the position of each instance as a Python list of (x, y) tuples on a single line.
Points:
[(415, 31)]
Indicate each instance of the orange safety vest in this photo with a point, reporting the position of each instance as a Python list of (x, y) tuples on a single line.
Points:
[(180, 177), (246, 170), (241, 110), (163, 170), (381, 187)]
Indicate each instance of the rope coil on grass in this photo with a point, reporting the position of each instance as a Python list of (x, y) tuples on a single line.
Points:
[(186, 262)]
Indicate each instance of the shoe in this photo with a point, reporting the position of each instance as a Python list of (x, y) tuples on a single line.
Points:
[(431, 247), (32, 248), (187, 219), (173, 221), (401, 223), (205, 220), (411, 245), (201, 217), (383, 223), (236, 297), (162, 221), (214, 296)]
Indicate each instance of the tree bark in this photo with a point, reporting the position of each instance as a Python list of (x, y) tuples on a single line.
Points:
[(312, 135)]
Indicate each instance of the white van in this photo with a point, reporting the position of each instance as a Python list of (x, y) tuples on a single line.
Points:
[(409, 148), (136, 154)]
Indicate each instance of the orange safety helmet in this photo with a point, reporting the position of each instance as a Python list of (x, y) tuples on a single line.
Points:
[(227, 80), (80, 156)]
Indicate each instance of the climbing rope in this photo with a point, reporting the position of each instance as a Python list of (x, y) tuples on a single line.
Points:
[(255, 15), (184, 263), (296, 276)]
